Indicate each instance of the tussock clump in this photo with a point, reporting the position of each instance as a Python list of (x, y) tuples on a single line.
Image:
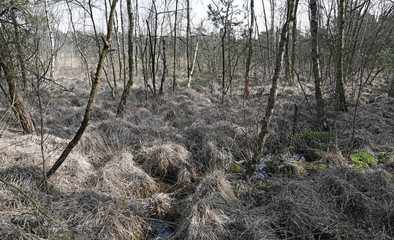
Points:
[(96, 216), (166, 160), (216, 146), (122, 178), (205, 214), (215, 184), (139, 116), (297, 217), (116, 135), (334, 160), (91, 143), (100, 114), (159, 205), (204, 222), (25, 177)]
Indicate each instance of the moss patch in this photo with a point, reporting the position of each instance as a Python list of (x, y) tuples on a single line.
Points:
[(315, 155), (362, 159), (235, 168), (384, 157)]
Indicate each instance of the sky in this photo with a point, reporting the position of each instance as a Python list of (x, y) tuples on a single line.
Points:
[(198, 13)]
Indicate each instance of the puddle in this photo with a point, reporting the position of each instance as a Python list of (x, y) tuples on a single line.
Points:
[(160, 230)]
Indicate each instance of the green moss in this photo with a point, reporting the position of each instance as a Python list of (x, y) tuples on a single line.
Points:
[(316, 156), (320, 136), (235, 187), (384, 157), (362, 159), (235, 168), (257, 195), (265, 187), (316, 166)]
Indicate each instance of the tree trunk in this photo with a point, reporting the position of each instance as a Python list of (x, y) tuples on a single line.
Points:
[(391, 92), (19, 49), (18, 107), (340, 85), (175, 26), (250, 49), (93, 92), (127, 88), (293, 48), (316, 64), (188, 37), (163, 77), (284, 37), (193, 64), (51, 40)]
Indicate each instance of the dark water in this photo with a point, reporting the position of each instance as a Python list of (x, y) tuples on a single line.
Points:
[(160, 230)]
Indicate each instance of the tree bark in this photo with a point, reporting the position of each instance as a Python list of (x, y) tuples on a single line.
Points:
[(93, 92), (391, 92), (127, 88), (294, 45), (163, 77), (175, 26), (316, 64), (188, 37), (250, 50), (19, 49), (16, 102), (284, 37), (192, 66), (340, 85)]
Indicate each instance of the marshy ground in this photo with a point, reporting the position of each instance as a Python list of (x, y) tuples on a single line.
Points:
[(172, 167)]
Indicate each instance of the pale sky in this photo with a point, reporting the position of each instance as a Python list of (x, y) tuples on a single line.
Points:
[(198, 13)]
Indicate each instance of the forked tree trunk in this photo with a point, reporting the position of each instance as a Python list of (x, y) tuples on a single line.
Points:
[(93, 92), (316, 64), (250, 49), (18, 107), (340, 85), (127, 88), (284, 37)]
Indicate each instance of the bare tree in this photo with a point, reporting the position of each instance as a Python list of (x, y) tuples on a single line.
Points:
[(15, 100), (284, 37), (316, 63), (127, 88), (250, 49), (175, 36), (93, 92), (340, 85)]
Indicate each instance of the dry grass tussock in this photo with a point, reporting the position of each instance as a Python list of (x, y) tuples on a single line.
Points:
[(336, 204), (207, 212), (166, 160), (121, 177), (96, 216)]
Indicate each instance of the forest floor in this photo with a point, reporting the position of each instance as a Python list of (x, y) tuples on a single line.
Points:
[(172, 167)]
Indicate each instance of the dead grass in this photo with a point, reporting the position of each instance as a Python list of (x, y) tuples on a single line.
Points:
[(166, 160), (160, 161)]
